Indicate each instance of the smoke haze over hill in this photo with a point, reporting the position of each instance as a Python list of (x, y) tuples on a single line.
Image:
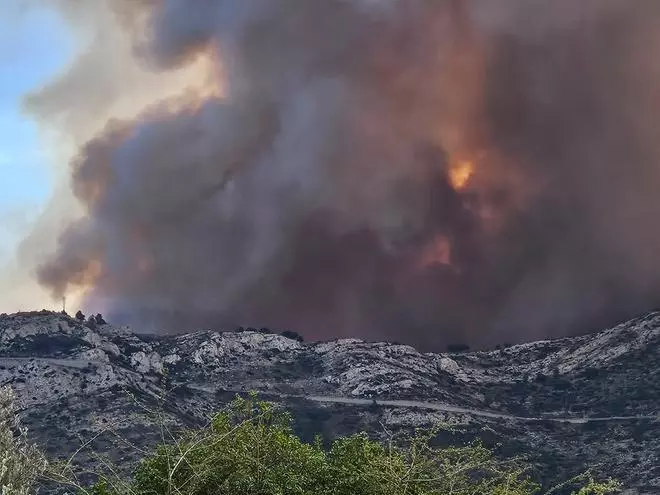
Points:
[(427, 171)]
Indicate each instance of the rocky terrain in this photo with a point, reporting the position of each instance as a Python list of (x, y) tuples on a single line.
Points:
[(568, 404)]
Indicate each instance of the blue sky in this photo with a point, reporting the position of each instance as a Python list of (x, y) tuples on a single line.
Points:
[(34, 47)]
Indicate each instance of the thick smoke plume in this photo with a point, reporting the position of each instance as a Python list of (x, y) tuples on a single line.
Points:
[(427, 171)]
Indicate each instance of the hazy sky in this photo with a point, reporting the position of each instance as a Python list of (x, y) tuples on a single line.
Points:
[(34, 46)]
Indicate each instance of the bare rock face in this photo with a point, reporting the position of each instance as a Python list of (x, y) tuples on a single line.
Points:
[(569, 404)]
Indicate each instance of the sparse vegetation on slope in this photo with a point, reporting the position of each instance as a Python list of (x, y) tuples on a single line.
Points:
[(21, 464)]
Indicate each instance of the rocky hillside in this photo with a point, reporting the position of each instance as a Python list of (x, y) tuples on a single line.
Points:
[(568, 404)]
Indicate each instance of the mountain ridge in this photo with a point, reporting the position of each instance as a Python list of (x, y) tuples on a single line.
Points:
[(568, 403)]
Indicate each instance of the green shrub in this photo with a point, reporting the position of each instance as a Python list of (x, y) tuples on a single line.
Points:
[(250, 449)]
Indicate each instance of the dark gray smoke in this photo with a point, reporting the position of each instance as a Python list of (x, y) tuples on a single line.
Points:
[(320, 192)]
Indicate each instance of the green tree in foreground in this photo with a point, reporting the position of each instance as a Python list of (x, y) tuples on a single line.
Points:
[(21, 464), (250, 449)]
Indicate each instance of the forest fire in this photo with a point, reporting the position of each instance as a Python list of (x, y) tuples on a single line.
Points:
[(332, 142), (460, 173)]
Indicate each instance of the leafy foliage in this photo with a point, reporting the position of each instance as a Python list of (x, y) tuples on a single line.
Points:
[(250, 449)]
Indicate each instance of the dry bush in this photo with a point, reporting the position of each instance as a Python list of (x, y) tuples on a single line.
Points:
[(21, 464)]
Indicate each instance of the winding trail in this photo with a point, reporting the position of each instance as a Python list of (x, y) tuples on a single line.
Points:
[(434, 406), (403, 404), (437, 406)]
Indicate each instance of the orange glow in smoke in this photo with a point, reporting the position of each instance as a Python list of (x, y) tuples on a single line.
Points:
[(91, 274), (438, 252), (460, 173)]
